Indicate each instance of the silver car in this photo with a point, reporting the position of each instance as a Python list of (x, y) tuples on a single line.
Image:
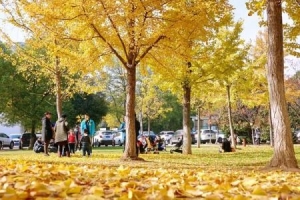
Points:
[(16, 139), (6, 141)]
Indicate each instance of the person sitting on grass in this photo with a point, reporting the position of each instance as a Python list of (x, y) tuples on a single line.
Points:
[(38, 146), (85, 143), (225, 147)]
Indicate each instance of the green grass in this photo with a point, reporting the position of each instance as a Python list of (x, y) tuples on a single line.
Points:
[(206, 156)]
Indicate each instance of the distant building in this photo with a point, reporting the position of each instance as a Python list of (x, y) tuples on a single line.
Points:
[(205, 123)]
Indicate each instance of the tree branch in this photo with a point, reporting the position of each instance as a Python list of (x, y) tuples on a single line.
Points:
[(150, 47), (109, 45), (115, 28)]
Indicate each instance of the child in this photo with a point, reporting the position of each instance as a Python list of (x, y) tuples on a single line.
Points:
[(86, 143), (72, 141)]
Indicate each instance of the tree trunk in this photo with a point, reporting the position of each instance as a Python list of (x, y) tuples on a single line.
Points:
[(141, 122), (187, 140), (230, 117), (271, 128), (149, 127), (199, 128), (130, 146), (58, 88), (33, 135), (284, 154)]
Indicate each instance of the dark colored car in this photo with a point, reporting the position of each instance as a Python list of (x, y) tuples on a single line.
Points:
[(25, 139)]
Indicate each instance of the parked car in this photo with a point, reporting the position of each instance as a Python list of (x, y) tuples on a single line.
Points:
[(119, 138), (15, 138), (105, 138), (25, 139), (146, 133), (166, 136), (207, 136), (297, 133), (6, 141), (178, 135)]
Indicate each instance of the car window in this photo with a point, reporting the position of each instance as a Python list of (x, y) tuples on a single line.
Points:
[(107, 133), (15, 136)]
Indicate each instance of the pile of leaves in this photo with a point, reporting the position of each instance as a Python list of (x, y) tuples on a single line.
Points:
[(104, 176)]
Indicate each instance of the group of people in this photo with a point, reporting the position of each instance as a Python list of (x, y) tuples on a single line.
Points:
[(65, 139)]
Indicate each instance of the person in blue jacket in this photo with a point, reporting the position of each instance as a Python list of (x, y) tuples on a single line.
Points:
[(88, 124)]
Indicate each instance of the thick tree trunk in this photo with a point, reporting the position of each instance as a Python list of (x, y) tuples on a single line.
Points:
[(130, 146), (284, 154), (58, 88), (271, 128), (187, 140), (33, 135), (233, 142)]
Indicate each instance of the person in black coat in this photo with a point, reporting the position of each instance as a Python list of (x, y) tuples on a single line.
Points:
[(226, 146), (47, 131)]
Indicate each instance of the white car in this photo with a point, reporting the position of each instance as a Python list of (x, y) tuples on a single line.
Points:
[(105, 138), (207, 136), (119, 138), (166, 136), (16, 139), (6, 141)]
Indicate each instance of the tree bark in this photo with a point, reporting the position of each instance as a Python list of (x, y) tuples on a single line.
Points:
[(33, 135), (233, 142), (271, 128), (130, 146), (284, 154), (198, 128), (58, 88), (187, 140)]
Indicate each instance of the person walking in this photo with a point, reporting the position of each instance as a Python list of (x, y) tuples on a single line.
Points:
[(72, 141), (257, 136), (122, 128), (88, 124), (61, 136), (47, 131), (77, 134)]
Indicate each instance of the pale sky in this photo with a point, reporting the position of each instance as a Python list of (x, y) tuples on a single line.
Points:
[(251, 26)]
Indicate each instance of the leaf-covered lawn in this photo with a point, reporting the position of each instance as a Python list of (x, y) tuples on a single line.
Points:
[(206, 174)]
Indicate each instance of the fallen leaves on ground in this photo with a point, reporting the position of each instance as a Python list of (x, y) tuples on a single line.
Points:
[(38, 177)]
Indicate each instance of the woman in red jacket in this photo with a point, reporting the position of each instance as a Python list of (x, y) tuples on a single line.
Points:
[(72, 140)]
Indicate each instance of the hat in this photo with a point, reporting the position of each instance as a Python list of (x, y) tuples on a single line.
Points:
[(63, 115)]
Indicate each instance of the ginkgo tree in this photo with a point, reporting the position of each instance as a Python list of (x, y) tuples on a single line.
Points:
[(130, 31), (228, 59), (284, 154), (150, 104), (44, 49)]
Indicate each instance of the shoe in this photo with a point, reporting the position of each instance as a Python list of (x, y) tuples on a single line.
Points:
[(46, 154)]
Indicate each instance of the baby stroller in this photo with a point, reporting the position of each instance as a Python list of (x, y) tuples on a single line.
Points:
[(52, 147), (178, 146)]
